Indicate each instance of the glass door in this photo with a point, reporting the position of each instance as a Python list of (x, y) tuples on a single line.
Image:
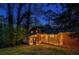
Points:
[(34, 41)]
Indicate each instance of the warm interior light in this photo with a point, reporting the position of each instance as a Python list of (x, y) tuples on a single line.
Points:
[(31, 31)]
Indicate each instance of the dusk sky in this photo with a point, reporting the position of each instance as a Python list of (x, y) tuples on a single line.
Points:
[(57, 8)]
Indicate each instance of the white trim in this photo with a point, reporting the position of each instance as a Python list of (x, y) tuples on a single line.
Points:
[(39, 1)]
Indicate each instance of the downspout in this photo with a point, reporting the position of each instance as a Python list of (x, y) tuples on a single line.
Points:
[(61, 39)]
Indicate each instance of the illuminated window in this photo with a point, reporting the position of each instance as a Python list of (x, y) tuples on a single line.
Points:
[(36, 31), (31, 31)]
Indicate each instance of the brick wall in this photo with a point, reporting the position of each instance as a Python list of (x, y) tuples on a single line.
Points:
[(69, 42), (61, 39)]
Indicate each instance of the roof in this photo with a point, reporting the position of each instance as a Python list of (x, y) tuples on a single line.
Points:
[(40, 30), (34, 30)]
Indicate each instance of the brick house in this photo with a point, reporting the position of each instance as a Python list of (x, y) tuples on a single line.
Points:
[(58, 39)]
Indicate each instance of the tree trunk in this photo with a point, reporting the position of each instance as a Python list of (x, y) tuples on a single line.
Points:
[(10, 25), (28, 22), (18, 20)]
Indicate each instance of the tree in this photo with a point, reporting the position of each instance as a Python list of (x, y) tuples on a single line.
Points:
[(69, 19), (0, 30), (10, 25)]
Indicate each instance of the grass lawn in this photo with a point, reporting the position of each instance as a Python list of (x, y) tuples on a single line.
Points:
[(36, 50)]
